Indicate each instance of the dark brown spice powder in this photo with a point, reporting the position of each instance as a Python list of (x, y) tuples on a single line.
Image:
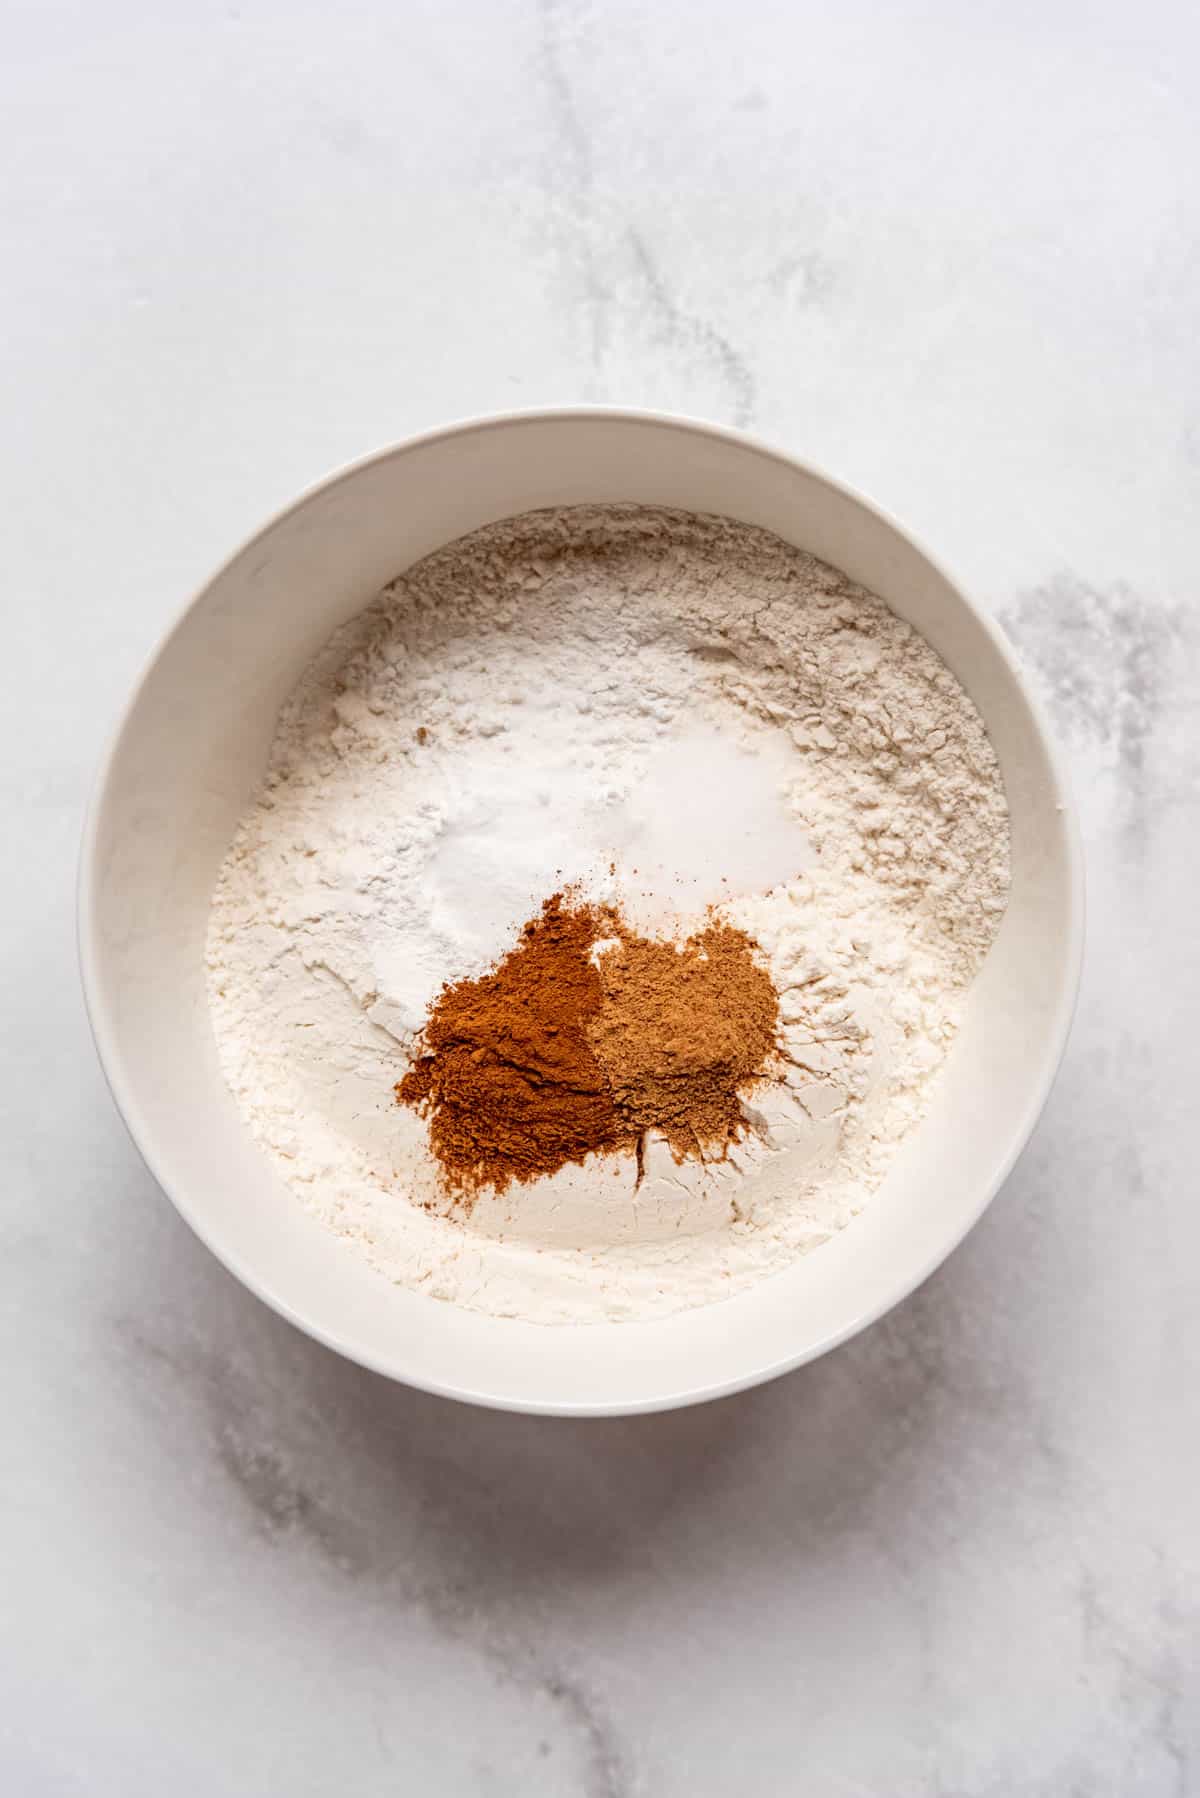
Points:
[(512, 1083)]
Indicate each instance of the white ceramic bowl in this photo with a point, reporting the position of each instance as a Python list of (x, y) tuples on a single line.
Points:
[(193, 743)]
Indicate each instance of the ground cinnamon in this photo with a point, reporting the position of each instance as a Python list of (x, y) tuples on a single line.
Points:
[(512, 1083), (586, 1036)]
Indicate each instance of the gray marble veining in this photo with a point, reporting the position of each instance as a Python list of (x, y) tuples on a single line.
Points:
[(950, 253)]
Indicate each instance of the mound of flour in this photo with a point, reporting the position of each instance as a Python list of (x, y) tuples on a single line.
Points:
[(666, 711)]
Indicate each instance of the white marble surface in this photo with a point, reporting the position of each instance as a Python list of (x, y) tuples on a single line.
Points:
[(951, 251)]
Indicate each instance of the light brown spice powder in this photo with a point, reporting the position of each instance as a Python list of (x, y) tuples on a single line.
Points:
[(681, 1029)]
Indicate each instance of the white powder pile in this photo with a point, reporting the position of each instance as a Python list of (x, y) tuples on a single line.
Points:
[(666, 711)]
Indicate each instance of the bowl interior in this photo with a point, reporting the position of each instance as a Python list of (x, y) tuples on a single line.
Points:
[(192, 747)]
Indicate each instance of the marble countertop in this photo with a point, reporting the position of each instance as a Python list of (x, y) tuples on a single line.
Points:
[(951, 253)]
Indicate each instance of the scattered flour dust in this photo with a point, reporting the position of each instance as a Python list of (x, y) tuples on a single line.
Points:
[(667, 711)]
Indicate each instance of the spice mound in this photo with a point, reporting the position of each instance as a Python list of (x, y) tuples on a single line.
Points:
[(586, 1037)]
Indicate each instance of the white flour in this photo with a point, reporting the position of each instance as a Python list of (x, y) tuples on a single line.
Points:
[(669, 711)]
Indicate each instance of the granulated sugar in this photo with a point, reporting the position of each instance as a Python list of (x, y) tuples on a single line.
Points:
[(668, 713)]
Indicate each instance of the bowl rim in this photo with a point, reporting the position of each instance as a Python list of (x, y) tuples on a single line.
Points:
[(142, 1135)]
